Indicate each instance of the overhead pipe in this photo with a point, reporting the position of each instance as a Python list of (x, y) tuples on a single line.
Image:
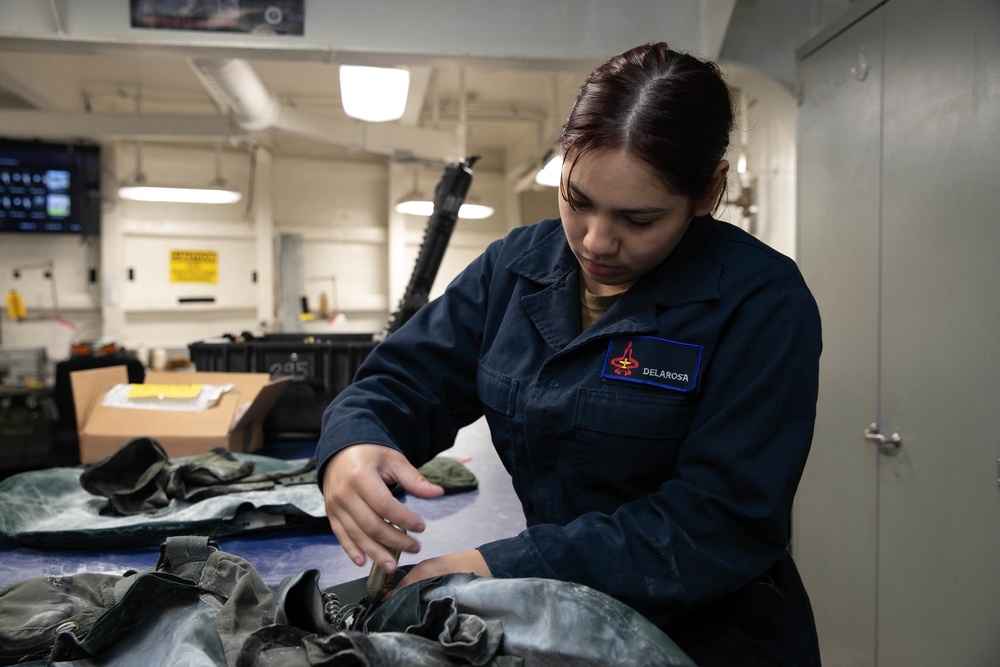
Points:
[(238, 91)]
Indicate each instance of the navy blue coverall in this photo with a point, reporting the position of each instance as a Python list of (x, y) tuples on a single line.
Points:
[(655, 454)]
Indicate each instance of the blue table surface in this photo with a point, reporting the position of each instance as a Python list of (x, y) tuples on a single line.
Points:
[(454, 523)]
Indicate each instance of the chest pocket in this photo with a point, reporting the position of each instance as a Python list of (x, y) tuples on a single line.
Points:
[(651, 414), (496, 391), (627, 442), (498, 394)]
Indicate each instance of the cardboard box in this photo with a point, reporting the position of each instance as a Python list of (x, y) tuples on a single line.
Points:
[(234, 423)]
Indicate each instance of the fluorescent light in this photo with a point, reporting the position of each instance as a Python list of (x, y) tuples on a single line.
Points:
[(475, 211), (179, 195), (420, 207), (551, 173), (416, 205), (373, 94)]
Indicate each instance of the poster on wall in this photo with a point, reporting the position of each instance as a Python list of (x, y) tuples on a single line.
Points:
[(256, 17), (194, 266)]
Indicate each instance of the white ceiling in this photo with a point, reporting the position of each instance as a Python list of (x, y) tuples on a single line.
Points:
[(78, 70)]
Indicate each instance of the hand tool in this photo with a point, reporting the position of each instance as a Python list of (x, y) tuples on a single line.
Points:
[(376, 587)]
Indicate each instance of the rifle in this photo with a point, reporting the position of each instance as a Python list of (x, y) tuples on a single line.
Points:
[(449, 195)]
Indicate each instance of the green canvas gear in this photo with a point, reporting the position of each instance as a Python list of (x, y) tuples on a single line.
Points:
[(50, 508), (140, 477), (203, 606), (450, 474), (217, 494)]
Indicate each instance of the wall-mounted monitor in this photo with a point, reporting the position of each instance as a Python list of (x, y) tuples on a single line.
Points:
[(50, 188)]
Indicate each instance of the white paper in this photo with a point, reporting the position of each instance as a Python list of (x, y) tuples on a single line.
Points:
[(117, 397)]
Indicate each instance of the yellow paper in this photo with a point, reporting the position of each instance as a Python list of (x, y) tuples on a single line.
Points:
[(164, 390)]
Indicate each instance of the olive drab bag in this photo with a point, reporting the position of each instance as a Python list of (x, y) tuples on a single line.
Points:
[(203, 606)]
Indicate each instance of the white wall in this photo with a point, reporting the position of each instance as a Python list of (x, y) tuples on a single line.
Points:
[(359, 251), (76, 298), (356, 248), (141, 303), (770, 128), (341, 209)]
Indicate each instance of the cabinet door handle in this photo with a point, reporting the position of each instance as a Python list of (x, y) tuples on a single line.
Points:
[(886, 445)]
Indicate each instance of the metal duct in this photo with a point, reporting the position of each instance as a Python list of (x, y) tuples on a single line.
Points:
[(239, 92), (237, 89)]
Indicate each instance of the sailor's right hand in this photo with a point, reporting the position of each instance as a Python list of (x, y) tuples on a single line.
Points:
[(360, 506)]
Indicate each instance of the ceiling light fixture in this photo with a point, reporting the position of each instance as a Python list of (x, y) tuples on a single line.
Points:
[(216, 193), (373, 94), (140, 192), (551, 173), (416, 204), (474, 211)]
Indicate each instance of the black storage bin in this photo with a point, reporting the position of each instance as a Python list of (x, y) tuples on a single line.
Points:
[(321, 365), (26, 421)]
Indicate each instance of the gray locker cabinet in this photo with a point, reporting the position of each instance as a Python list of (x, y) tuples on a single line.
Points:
[(899, 239)]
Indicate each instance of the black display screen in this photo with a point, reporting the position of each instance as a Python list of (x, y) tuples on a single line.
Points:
[(50, 188)]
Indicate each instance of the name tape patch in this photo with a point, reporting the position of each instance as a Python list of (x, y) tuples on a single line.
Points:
[(655, 361)]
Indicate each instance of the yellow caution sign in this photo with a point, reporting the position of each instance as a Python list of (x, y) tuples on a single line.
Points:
[(194, 266)]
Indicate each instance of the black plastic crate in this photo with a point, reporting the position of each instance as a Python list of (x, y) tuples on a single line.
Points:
[(26, 424), (321, 366)]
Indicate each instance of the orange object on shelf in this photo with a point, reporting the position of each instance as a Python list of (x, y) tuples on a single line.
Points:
[(81, 349)]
